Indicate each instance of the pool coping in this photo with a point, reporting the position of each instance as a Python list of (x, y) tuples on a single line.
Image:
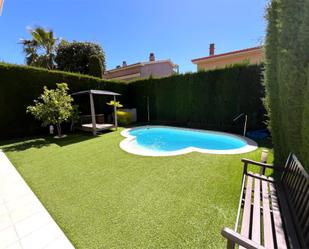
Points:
[(126, 144)]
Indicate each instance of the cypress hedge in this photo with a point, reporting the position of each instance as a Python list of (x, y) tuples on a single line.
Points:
[(203, 100), (286, 77), (20, 85)]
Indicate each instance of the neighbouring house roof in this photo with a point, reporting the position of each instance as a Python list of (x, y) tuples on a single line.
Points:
[(140, 64), (242, 51)]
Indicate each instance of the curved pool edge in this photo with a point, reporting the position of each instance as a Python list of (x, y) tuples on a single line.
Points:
[(126, 144)]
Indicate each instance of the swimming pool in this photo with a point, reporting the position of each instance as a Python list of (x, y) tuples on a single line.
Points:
[(170, 141)]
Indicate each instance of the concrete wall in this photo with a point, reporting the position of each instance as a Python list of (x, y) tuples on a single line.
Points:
[(163, 69)]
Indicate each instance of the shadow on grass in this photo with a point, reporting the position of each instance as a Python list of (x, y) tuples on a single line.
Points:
[(18, 145), (40, 142), (71, 139)]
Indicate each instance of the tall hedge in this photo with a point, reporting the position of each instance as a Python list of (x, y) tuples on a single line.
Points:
[(20, 85), (286, 77), (204, 100)]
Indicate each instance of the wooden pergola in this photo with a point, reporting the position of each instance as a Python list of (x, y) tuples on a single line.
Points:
[(93, 126)]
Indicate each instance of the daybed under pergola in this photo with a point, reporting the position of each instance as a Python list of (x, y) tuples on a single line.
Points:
[(94, 126)]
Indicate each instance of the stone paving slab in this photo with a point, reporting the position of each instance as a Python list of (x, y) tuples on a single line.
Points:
[(24, 222)]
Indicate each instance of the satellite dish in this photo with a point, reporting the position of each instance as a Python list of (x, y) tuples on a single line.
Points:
[(1, 5)]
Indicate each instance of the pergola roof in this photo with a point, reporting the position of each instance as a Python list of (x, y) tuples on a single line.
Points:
[(98, 92)]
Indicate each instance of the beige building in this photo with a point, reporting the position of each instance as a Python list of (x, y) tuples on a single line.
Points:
[(253, 55), (1, 6), (151, 68)]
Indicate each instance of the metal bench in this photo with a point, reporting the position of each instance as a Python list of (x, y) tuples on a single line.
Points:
[(272, 214)]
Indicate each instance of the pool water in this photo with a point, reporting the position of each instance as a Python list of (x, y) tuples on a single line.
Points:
[(169, 139)]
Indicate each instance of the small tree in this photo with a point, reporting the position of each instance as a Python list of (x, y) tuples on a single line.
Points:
[(95, 66), (53, 107)]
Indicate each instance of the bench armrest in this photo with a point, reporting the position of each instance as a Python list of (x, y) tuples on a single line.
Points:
[(235, 238), (265, 165), (260, 164)]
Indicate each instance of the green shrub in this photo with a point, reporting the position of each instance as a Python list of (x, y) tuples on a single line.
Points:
[(95, 66), (124, 118), (286, 77)]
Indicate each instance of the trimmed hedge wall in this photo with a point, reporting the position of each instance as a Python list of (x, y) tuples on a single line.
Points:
[(287, 78), (20, 85), (203, 100)]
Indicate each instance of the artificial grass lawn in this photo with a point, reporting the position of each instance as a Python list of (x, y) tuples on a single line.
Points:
[(103, 197)]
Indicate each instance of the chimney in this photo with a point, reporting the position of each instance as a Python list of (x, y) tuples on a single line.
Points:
[(152, 57), (212, 49), (118, 66), (124, 63)]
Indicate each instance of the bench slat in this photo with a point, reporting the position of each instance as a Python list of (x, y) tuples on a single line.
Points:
[(295, 184), (256, 222), (245, 226), (268, 232), (288, 219), (240, 203), (305, 208), (280, 237), (289, 175), (304, 222), (300, 196)]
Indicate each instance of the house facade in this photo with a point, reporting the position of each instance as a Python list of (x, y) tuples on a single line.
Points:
[(151, 68), (1, 6), (253, 55)]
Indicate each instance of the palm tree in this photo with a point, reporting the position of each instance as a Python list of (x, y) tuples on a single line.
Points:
[(30, 49), (40, 50)]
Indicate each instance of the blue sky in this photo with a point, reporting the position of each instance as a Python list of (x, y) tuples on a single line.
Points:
[(130, 29)]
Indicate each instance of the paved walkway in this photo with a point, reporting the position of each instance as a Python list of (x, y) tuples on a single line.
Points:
[(24, 222)]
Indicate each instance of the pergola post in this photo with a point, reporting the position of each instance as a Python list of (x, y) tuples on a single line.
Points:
[(94, 125), (115, 113)]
